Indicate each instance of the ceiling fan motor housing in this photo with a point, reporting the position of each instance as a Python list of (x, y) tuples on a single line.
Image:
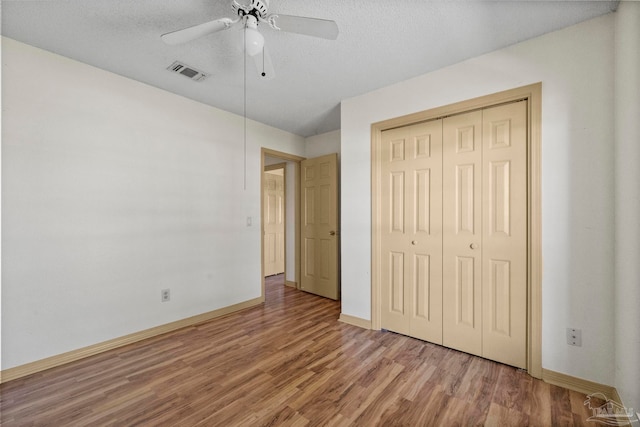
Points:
[(257, 8), (261, 6)]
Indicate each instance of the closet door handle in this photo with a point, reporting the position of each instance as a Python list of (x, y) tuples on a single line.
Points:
[(473, 246)]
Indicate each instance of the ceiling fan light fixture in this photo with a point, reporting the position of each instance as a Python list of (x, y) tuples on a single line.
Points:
[(253, 41)]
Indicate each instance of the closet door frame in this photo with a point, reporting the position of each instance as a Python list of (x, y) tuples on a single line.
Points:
[(533, 95)]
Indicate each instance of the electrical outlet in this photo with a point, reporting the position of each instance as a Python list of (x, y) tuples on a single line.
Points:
[(165, 295), (574, 337)]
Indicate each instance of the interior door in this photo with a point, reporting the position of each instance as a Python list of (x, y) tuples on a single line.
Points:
[(462, 232), (273, 217), (319, 229), (411, 230)]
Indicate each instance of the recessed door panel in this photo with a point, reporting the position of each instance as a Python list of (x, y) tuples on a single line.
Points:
[(500, 297), (423, 146), (396, 150), (397, 194), (309, 206), (309, 250), (465, 194), (422, 279), (465, 291), (422, 215), (325, 257), (499, 187), (325, 205), (396, 282)]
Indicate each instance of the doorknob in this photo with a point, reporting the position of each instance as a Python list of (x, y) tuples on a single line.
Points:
[(332, 233), (473, 246), (414, 242)]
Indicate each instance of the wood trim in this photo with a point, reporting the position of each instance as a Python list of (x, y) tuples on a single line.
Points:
[(579, 384), (92, 350), (291, 284), (281, 155), (298, 223), (275, 167), (376, 215), (533, 94), (355, 321), (534, 357)]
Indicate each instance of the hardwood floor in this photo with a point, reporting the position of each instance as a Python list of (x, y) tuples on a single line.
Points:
[(287, 362)]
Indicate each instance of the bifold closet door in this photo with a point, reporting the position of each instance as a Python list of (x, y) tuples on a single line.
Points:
[(462, 232), (484, 235), (504, 231), (453, 232), (411, 232)]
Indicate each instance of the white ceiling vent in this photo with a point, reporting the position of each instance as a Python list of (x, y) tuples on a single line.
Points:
[(185, 70)]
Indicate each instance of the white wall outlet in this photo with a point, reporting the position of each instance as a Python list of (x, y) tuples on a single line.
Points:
[(249, 221), (165, 295), (574, 337)]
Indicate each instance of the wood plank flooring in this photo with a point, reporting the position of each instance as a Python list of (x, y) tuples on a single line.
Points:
[(288, 362)]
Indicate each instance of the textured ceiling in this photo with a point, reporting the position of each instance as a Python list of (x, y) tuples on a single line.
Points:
[(380, 42)]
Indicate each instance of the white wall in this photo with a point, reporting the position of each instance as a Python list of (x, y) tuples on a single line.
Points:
[(113, 190), (575, 66), (324, 143), (627, 176)]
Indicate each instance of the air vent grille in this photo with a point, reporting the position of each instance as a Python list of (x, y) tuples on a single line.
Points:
[(187, 71)]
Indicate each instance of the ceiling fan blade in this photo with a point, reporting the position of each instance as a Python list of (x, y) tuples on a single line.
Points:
[(197, 31), (315, 27), (264, 65)]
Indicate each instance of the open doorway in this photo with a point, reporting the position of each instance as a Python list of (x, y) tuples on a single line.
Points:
[(274, 219), (275, 162)]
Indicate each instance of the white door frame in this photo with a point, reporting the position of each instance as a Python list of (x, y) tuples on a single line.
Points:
[(533, 94)]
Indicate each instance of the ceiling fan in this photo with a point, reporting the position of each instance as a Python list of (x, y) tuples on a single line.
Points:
[(251, 16)]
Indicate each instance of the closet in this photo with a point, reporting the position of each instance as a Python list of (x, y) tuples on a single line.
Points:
[(453, 231)]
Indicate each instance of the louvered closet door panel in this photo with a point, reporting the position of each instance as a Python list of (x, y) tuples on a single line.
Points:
[(504, 245), (462, 232), (411, 230)]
